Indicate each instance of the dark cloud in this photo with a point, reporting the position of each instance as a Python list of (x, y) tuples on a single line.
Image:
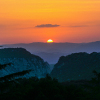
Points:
[(47, 25)]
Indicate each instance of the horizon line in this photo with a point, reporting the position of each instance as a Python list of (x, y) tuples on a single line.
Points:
[(49, 43)]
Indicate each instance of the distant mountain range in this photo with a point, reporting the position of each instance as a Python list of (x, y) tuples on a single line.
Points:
[(77, 66), (51, 52)]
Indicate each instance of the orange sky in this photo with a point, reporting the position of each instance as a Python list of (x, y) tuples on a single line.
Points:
[(78, 20)]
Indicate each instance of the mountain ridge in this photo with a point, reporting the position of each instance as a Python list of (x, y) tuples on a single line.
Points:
[(50, 52)]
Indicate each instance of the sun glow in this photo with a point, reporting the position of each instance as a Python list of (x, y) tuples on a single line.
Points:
[(49, 41)]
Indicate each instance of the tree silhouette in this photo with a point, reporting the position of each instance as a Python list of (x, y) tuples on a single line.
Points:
[(2, 66), (97, 78), (13, 75)]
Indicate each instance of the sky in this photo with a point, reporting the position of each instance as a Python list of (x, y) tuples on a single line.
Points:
[(26, 21)]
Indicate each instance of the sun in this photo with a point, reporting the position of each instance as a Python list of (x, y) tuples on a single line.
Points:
[(49, 41)]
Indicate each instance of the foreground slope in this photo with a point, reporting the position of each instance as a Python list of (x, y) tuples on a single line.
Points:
[(76, 66)]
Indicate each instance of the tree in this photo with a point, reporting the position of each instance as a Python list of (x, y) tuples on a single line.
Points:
[(97, 78), (11, 76), (7, 81), (4, 65)]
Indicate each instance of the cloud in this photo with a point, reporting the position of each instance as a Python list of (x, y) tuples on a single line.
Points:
[(78, 26), (47, 25)]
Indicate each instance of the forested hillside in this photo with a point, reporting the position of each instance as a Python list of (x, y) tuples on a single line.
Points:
[(76, 66)]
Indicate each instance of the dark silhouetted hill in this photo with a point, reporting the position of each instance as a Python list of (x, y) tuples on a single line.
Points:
[(77, 66)]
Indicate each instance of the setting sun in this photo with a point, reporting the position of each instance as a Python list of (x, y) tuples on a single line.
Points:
[(49, 41)]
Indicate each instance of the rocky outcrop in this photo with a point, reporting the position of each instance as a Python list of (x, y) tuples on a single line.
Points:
[(22, 60)]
